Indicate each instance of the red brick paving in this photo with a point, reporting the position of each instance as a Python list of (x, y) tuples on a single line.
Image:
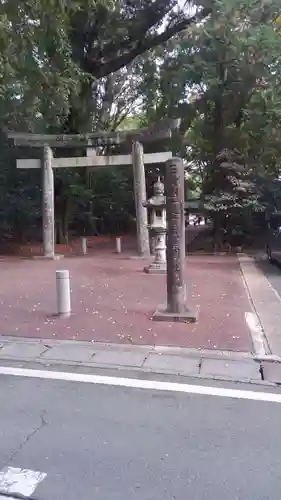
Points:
[(113, 300)]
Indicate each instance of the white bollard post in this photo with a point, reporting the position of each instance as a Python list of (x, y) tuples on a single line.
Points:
[(63, 293), (84, 245), (118, 245)]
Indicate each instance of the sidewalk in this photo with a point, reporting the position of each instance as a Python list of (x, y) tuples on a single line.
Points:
[(216, 365), (266, 333)]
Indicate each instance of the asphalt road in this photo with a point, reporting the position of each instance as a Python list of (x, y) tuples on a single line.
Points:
[(118, 443)]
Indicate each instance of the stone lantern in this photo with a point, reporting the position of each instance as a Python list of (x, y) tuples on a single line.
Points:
[(158, 223)]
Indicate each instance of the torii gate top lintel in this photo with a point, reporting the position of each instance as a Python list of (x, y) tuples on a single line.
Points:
[(158, 131)]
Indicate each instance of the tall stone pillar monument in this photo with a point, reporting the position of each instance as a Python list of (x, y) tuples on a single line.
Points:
[(176, 308)]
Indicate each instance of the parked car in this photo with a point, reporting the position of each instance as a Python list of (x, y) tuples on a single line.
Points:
[(273, 244)]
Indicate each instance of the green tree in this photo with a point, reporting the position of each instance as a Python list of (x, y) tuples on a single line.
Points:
[(104, 65), (223, 79), (53, 52)]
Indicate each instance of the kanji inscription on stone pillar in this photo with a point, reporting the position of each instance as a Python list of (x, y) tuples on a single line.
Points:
[(176, 308)]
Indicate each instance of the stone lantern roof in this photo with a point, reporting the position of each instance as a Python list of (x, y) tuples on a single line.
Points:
[(158, 199)]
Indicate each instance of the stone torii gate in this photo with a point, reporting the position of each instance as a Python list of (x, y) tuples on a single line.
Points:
[(160, 131)]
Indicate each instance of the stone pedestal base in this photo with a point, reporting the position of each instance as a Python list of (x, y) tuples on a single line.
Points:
[(155, 268), (187, 316), (48, 257)]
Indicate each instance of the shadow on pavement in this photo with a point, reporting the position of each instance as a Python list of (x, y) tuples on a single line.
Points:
[(267, 268)]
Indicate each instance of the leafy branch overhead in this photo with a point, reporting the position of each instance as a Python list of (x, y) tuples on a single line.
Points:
[(113, 38), (52, 51)]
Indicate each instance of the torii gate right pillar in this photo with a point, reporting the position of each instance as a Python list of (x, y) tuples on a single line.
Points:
[(143, 246), (48, 213)]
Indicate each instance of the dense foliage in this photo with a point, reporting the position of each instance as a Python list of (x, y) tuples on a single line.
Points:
[(104, 64)]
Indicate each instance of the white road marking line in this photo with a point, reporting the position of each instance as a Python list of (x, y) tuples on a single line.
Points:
[(20, 481), (143, 384)]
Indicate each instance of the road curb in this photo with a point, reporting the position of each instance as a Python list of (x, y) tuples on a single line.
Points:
[(173, 361), (119, 369)]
